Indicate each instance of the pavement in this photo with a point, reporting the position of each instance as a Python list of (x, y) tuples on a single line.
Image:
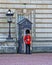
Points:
[(26, 59)]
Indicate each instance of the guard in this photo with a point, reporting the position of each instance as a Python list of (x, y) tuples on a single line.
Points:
[(27, 40)]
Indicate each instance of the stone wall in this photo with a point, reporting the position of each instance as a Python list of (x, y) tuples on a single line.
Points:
[(42, 19)]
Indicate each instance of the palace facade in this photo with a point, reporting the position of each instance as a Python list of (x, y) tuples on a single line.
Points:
[(38, 12)]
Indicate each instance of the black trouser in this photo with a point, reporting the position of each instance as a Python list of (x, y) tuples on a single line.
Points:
[(27, 48)]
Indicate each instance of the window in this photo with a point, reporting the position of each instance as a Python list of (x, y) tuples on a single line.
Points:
[(20, 17)]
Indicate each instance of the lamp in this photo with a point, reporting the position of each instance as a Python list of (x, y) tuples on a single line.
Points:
[(9, 15)]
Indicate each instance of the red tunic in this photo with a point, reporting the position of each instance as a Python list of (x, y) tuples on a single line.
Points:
[(27, 39)]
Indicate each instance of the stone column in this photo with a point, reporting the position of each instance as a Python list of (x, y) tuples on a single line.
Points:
[(33, 25)]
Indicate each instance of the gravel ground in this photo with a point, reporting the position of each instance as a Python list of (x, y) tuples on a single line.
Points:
[(26, 59)]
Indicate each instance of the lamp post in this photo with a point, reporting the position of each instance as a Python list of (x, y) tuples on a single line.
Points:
[(9, 15)]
